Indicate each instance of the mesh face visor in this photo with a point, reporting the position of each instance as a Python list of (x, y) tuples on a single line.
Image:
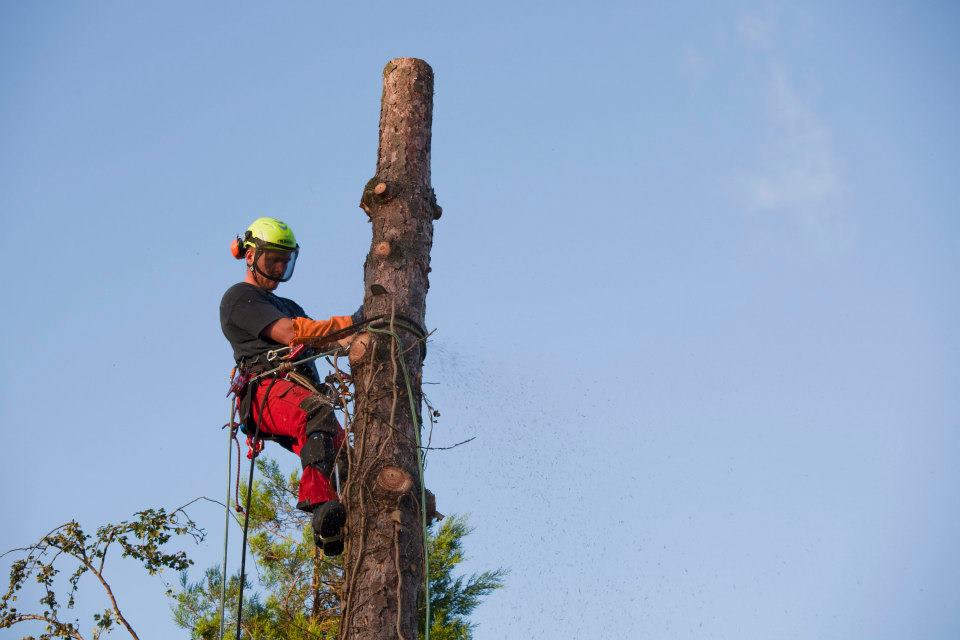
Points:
[(274, 262)]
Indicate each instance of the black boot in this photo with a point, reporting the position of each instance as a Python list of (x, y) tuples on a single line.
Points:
[(328, 521)]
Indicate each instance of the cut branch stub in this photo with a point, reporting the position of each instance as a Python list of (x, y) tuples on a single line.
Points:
[(432, 514), (394, 480), (382, 250), (375, 193), (359, 348), (437, 209)]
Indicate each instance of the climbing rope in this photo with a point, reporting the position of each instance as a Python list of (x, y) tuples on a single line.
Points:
[(226, 525), (246, 526)]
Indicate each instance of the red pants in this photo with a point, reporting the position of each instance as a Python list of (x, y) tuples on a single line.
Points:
[(282, 416)]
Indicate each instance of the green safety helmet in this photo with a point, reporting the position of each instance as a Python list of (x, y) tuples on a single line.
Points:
[(267, 234)]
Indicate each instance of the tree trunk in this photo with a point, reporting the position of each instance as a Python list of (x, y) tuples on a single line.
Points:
[(384, 559)]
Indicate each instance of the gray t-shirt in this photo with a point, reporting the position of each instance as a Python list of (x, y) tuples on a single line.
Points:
[(245, 311)]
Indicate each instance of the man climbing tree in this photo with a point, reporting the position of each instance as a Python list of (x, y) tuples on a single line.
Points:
[(387, 563), (289, 406)]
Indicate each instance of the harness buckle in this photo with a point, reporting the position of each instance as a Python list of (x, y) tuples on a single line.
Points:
[(274, 354)]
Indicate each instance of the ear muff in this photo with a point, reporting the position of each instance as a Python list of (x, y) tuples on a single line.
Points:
[(236, 248)]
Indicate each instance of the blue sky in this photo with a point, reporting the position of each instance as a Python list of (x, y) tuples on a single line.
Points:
[(691, 288)]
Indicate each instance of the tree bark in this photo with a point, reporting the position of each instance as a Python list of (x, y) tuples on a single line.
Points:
[(384, 559)]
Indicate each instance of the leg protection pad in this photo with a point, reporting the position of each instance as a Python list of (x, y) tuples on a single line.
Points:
[(318, 451)]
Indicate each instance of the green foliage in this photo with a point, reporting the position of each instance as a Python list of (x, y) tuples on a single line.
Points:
[(300, 587), (301, 590), (144, 539), (453, 599)]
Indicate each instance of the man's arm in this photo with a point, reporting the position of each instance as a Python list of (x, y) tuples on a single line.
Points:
[(290, 330), (280, 331)]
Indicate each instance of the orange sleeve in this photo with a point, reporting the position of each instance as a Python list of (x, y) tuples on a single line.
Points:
[(307, 330)]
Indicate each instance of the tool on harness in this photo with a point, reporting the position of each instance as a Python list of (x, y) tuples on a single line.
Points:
[(238, 381), (243, 389), (285, 353), (296, 350)]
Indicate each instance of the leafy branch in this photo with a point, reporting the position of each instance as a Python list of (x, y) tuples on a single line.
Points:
[(143, 538)]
